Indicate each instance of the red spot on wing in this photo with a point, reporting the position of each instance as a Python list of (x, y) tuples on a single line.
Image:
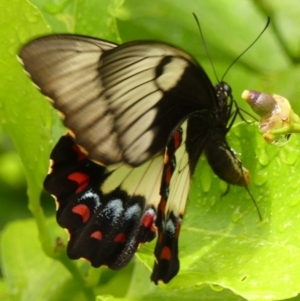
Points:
[(166, 253), (148, 222), (120, 238), (177, 139), (83, 211), (97, 235), (82, 180), (80, 155)]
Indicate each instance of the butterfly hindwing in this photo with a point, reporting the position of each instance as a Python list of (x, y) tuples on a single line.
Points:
[(174, 192), (106, 219)]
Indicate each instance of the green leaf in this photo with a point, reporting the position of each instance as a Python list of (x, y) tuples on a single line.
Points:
[(96, 18), (31, 132), (4, 295), (18, 109), (28, 272), (223, 243)]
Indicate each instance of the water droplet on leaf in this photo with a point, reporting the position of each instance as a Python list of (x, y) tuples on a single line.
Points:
[(260, 177), (216, 287), (31, 16), (56, 6), (236, 216), (263, 157), (205, 176), (289, 155)]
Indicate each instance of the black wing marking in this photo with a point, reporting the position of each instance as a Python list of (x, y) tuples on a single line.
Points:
[(125, 99)]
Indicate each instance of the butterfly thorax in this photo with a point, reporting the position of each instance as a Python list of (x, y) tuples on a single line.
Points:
[(223, 111)]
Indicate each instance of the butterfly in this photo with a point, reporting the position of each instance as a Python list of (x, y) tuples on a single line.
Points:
[(139, 116)]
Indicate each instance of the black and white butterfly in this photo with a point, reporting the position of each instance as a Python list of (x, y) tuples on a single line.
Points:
[(139, 116)]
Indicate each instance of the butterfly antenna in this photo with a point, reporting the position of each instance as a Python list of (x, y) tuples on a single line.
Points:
[(254, 202), (249, 193), (205, 46), (237, 58)]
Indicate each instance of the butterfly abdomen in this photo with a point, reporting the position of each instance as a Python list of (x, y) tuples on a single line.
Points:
[(224, 162)]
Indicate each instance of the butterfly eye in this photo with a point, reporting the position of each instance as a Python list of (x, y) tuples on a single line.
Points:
[(223, 91), (227, 89)]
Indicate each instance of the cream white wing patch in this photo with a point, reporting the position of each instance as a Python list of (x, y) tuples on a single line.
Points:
[(144, 180), (135, 84), (180, 180)]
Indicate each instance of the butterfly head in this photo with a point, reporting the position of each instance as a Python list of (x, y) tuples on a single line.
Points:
[(223, 91)]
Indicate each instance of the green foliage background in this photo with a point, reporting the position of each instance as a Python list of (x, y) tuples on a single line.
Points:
[(226, 252)]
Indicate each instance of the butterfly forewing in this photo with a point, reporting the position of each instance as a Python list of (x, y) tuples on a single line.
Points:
[(126, 99)]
